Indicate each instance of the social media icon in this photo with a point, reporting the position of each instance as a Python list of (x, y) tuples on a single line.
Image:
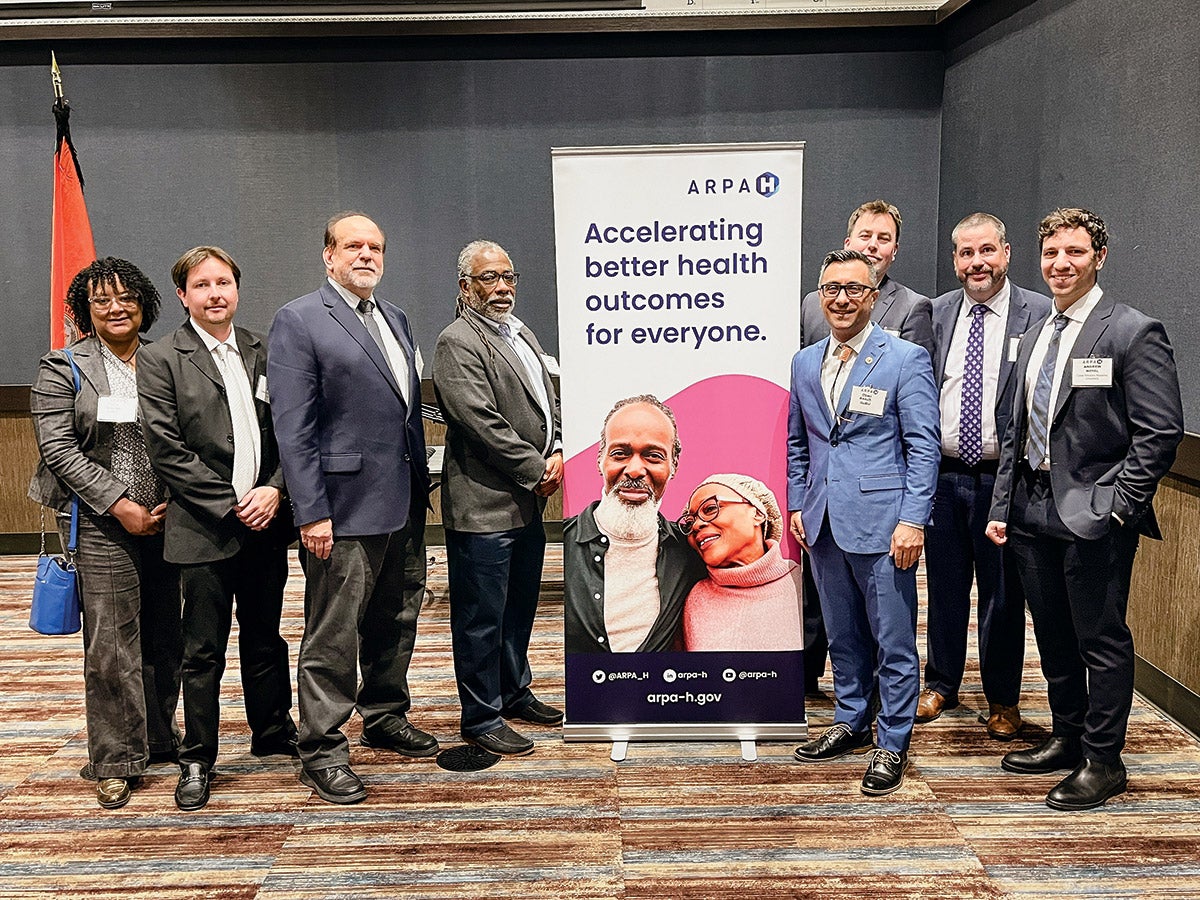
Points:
[(669, 675), (598, 677), (729, 675)]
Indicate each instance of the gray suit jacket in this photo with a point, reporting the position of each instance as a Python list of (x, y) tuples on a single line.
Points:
[(899, 309), (76, 449), (1109, 446), (189, 435), (1024, 309), (496, 433)]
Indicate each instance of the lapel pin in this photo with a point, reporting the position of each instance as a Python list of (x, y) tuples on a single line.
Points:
[(869, 360)]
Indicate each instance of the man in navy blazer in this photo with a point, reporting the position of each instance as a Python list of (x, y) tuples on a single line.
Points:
[(346, 399), (862, 465), (975, 332), (873, 230), (202, 393), (1097, 418)]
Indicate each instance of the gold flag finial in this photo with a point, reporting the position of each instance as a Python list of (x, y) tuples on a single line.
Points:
[(56, 77)]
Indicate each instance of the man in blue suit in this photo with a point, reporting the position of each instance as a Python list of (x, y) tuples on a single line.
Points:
[(346, 396), (863, 453), (874, 230), (975, 331)]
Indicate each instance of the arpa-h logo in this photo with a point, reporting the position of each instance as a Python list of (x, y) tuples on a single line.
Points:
[(767, 184)]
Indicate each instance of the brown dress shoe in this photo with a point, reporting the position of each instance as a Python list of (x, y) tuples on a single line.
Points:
[(1003, 721), (931, 704)]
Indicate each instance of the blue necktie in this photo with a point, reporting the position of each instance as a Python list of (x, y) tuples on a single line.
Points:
[(970, 422), (1039, 412)]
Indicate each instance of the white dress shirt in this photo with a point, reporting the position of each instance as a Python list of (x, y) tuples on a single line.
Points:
[(995, 326), (533, 366), (247, 452), (834, 374), (1076, 314), (392, 350)]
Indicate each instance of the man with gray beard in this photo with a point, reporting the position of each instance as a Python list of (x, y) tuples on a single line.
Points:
[(627, 569), (503, 459)]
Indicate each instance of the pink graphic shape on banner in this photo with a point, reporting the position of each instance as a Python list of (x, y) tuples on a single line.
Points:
[(727, 423)]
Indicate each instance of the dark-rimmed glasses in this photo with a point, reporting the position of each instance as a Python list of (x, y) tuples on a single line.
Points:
[(490, 278), (125, 301), (705, 512), (854, 291)]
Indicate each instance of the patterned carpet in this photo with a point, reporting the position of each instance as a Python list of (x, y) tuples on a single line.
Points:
[(672, 821)]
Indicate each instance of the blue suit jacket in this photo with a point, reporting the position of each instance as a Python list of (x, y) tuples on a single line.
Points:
[(1025, 308), (352, 450), (867, 472)]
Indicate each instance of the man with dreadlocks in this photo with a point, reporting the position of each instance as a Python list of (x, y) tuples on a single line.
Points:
[(503, 459)]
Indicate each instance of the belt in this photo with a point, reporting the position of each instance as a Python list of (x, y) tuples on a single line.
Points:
[(957, 466), (1035, 476)]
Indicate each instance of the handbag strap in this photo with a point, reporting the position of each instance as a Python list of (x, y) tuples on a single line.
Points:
[(73, 541)]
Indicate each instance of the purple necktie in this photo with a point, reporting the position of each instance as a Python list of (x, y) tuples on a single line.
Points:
[(970, 421)]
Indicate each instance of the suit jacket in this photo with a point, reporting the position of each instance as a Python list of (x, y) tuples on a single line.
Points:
[(1024, 309), (1109, 446), (75, 447), (898, 309), (496, 431), (352, 450), (866, 472), (189, 436)]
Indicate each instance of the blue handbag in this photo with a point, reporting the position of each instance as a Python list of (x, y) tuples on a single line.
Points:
[(55, 608)]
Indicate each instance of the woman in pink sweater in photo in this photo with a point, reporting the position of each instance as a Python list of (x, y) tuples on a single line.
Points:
[(751, 598)]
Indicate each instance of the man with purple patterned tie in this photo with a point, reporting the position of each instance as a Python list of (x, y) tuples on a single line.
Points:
[(975, 330)]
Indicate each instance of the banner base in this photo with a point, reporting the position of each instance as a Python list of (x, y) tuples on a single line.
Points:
[(697, 731)]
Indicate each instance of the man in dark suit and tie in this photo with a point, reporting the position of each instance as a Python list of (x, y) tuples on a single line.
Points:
[(346, 399), (874, 231), (204, 405), (862, 466), (1097, 418), (503, 459), (975, 332)]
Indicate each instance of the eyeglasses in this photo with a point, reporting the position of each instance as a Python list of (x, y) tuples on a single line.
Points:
[(707, 511), (854, 291), (490, 278), (125, 301)]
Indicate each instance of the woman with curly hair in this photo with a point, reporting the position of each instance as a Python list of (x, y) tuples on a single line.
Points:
[(91, 446)]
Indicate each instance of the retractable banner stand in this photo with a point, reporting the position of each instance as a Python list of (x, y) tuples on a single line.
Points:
[(678, 276)]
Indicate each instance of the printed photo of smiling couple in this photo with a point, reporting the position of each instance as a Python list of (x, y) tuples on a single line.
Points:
[(682, 551)]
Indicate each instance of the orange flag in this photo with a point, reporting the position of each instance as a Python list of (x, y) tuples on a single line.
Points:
[(71, 244)]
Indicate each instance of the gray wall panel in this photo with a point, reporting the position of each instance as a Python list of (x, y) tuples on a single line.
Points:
[(441, 151), (1086, 103)]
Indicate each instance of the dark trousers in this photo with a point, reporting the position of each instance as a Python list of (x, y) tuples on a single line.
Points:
[(957, 553), (1078, 592), (494, 583), (870, 610), (360, 612), (253, 579), (816, 642), (131, 645)]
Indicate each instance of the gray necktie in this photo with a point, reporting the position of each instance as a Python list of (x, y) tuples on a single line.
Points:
[(1039, 412), (367, 308), (245, 424)]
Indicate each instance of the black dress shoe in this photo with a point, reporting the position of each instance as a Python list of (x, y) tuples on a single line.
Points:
[(502, 740), (192, 791), (337, 784), (1049, 756), (406, 739), (1089, 786), (836, 742), (885, 772), (535, 713), (285, 746)]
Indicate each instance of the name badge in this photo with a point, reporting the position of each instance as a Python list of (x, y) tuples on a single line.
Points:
[(260, 392), (551, 364), (116, 409), (867, 400), (1013, 344), (1092, 371), (420, 363)]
